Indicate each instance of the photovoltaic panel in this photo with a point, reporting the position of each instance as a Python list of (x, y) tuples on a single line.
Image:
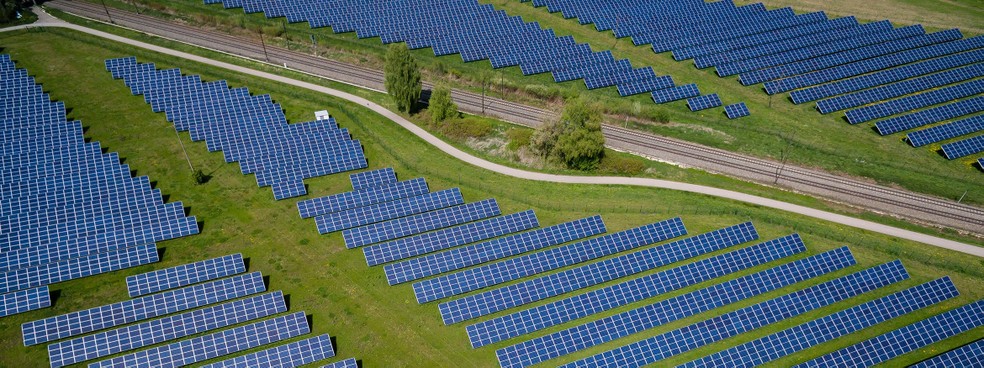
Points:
[(818, 331), (901, 88), (418, 268), (165, 329), (970, 355), (905, 339), (374, 178), (449, 237), (50, 273), (385, 211), (566, 281), (964, 147), (348, 200), (704, 102), (715, 329), (912, 102), (980, 162), (650, 316), (214, 345), (398, 228), (150, 306), (737, 110), (931, 115), (24, 300), (676, 93), (347, 363), (183, 275), (288, 355), (946, 131), (534, 263)]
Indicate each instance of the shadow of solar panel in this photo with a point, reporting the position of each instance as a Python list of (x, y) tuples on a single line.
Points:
[(288, 355), (715, 329), (416, 224), (704, 102), (24, 300), (737, 110), (184, 275), (946, 131), (964, 147), (607, 329), (906, 339), (969, 355)]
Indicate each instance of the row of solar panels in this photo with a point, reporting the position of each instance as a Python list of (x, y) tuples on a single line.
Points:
[(67, 210), (479, 32), (873, 71), (229, 296), (250, 130), (503, 270)]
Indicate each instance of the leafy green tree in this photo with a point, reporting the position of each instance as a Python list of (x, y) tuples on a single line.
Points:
[(441, 105), (575, 139), (8, 10), (403, 81)]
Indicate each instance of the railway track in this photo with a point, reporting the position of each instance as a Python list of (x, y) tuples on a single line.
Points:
[(922, 208)]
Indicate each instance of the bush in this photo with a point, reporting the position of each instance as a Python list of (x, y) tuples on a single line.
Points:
[(518, 138), (658, 115), (622, 165), (441, 107), (575, 139), (541, 91), (469, 127)]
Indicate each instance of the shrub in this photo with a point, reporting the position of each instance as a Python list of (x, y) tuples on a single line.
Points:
[(622, 165), (441, 106), (518, 138)]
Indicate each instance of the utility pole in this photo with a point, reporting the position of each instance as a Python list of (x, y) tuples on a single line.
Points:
[(286, 36), (107, 12), (259, 29)]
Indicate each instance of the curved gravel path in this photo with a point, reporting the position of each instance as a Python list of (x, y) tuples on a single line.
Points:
[(46, 20)]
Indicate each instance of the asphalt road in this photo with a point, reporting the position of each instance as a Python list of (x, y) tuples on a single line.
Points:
[(47, 21)]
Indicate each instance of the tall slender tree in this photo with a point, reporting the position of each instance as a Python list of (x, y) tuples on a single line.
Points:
[(403, 81)]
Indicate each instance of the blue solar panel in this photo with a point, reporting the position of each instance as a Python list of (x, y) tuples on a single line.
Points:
[(347, 363), (737, 110), (107, 316), (24, 300), (600, 331), (418, 268), (448, 238), (901, 88), (477, 305), (964, 147), (50, 273), (913, 102), (930, 115), (905, 339), (818, 331), (704, 102), (349, 200), (676, 93), (183, 275), (715, 329), (970, 355), (385, 211), (374, 178), (214, 345), (946, 131), (288, 355), (398, 228), (169, 328), (534, 263)]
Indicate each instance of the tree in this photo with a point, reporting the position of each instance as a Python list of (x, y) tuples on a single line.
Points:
[(441, 106), (8, 10), (403, 81), (575, 139)]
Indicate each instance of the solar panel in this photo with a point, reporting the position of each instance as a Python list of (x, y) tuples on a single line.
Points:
[(288, 355), (970, 355), (168, 328), (448, 238), (905, 339), (111, 315), (964, 147), (847, 321), (901, 88), (347, 363), (214, 345), (930, 115), (774, 310), (946, 131), (349, 200), (534, 263), (704, 102), (24, 300), (183, 275), (737, 110), (607, 329), (374, 178), (418, 268), (50, 273), (398, 228), (566, 281), (385, 211), (980, 162), (676, 93), (913, 102)]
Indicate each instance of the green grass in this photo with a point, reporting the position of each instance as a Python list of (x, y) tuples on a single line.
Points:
[(375, 322), (820, 141)]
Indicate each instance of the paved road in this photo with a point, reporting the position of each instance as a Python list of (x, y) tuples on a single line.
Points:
[(917, 207), (47, 21)]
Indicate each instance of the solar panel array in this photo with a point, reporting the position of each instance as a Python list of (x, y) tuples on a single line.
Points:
[(183, 275), (970, 355), (964, 147), (360, 198), (416, 224), (704, 102), (360, 216), (347, 363), (250, 130), (69, 210), (946, 131), (737, 110), (288, 355), (373, 178), (905, 339)]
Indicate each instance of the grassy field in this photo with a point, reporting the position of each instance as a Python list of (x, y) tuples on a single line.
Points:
[(820, 141), (968, 15), (381, 324)]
